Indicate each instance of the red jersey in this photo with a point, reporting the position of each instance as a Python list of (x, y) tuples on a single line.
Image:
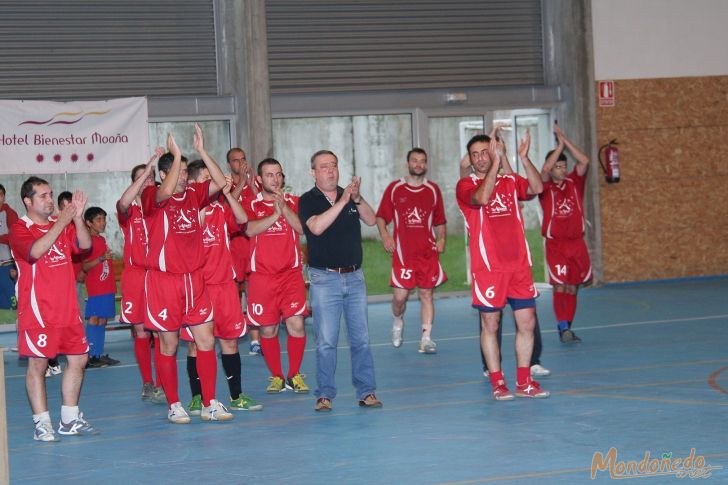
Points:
[(135, 235), (174, 234), (45, 285), (563, 212), (497, 237), (219, 222), (277, 249), (415, 210), (239, 242), (99, 279)]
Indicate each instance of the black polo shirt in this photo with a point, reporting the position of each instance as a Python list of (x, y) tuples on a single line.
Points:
[(340, 244)]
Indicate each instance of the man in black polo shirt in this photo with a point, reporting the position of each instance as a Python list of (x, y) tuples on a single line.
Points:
[(330, 216)]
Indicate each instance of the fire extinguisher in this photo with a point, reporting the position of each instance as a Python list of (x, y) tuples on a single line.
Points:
[(610, 161)]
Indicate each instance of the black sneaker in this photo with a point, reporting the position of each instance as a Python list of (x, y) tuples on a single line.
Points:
[(569, 337), (108, 360), (95, 363)]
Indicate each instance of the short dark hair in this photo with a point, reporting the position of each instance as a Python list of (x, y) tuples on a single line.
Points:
[(416, 150), (231, 151), (134, 170), (165, 162), (65, 195), (92, 212), (267, 161), (478, 139), (28, 187), (194, 168), (562, 156), (322, 152), (2, 189)]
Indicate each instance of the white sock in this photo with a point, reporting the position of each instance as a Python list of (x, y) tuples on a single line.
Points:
[(45, 416), (69, 413), (426, 331), (398, 321)]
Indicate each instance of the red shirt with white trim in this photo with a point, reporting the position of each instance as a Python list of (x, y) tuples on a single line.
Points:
[(219, 222), (497, 237), (278, 248), (135, 235), (175, 241), (46, 286), (563, 210), (415, 210), (99, 279)]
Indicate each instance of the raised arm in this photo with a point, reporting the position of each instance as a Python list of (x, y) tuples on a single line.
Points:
[(288, 213), (318, 223), (366, 213), (240, 216), (582, 160), (261, 225), (218, 177), (133, 190), (535, 184), (482, 194), (166, 189)]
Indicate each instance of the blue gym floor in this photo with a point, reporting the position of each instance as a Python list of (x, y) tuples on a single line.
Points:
[(650, 375)]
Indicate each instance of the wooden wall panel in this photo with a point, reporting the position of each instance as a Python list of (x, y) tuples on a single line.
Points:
[(668, 216)]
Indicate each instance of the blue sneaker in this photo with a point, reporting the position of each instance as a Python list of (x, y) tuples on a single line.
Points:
[(255, 348), (78, 426), (44, 432)]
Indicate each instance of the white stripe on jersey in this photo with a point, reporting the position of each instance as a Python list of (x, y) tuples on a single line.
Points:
[(396, 241), (440, 276), (149, 313), (32, 346), (396, 281), (33, 298), (162, 258), (480, 295)]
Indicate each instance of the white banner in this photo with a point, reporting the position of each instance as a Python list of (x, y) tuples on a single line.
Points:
[(80, 136)]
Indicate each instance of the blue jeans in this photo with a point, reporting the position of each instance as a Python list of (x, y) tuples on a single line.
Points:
[(331, 295)]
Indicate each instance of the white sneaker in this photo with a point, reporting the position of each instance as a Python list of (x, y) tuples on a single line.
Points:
[(486, 373), (539, 371), (427, 346), (177, 414), (397, 332), (215, 412), (44, 432), (54, 370)]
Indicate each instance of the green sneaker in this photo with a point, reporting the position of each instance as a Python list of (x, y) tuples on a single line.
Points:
[(277, 384), (195, 406), (296, 383), (245, 403)]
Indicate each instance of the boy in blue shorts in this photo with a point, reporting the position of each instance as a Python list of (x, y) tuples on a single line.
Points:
[(100, 287)]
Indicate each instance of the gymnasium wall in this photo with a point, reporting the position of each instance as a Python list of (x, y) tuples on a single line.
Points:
[(667, 217)]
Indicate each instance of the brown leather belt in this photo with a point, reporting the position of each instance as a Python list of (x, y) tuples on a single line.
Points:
[(345, 269)]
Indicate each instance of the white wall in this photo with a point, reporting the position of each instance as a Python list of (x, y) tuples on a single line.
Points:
[(642, 39)]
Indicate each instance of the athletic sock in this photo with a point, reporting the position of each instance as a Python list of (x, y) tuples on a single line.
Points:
[(143, 354), (92, 335), (232, 366), (496, 378), (296, 347), (167, 367), (157, 353), (272, 355), (569, 307), (563, 325), (398, 321), (194, 378), (69, 413), (560, 306), (523, 375), (207, 370), (100, 339), (426, 330), (44, 417)]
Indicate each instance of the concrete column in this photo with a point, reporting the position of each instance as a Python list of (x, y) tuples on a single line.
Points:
[(243, 72), (569, 63)]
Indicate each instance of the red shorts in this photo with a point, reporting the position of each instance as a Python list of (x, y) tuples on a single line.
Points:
[(421, 272), (133, 307), (240, 250), (229, 319), (568, 261), (275, 297), (50, 341), (490, 289), (174, 300)]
